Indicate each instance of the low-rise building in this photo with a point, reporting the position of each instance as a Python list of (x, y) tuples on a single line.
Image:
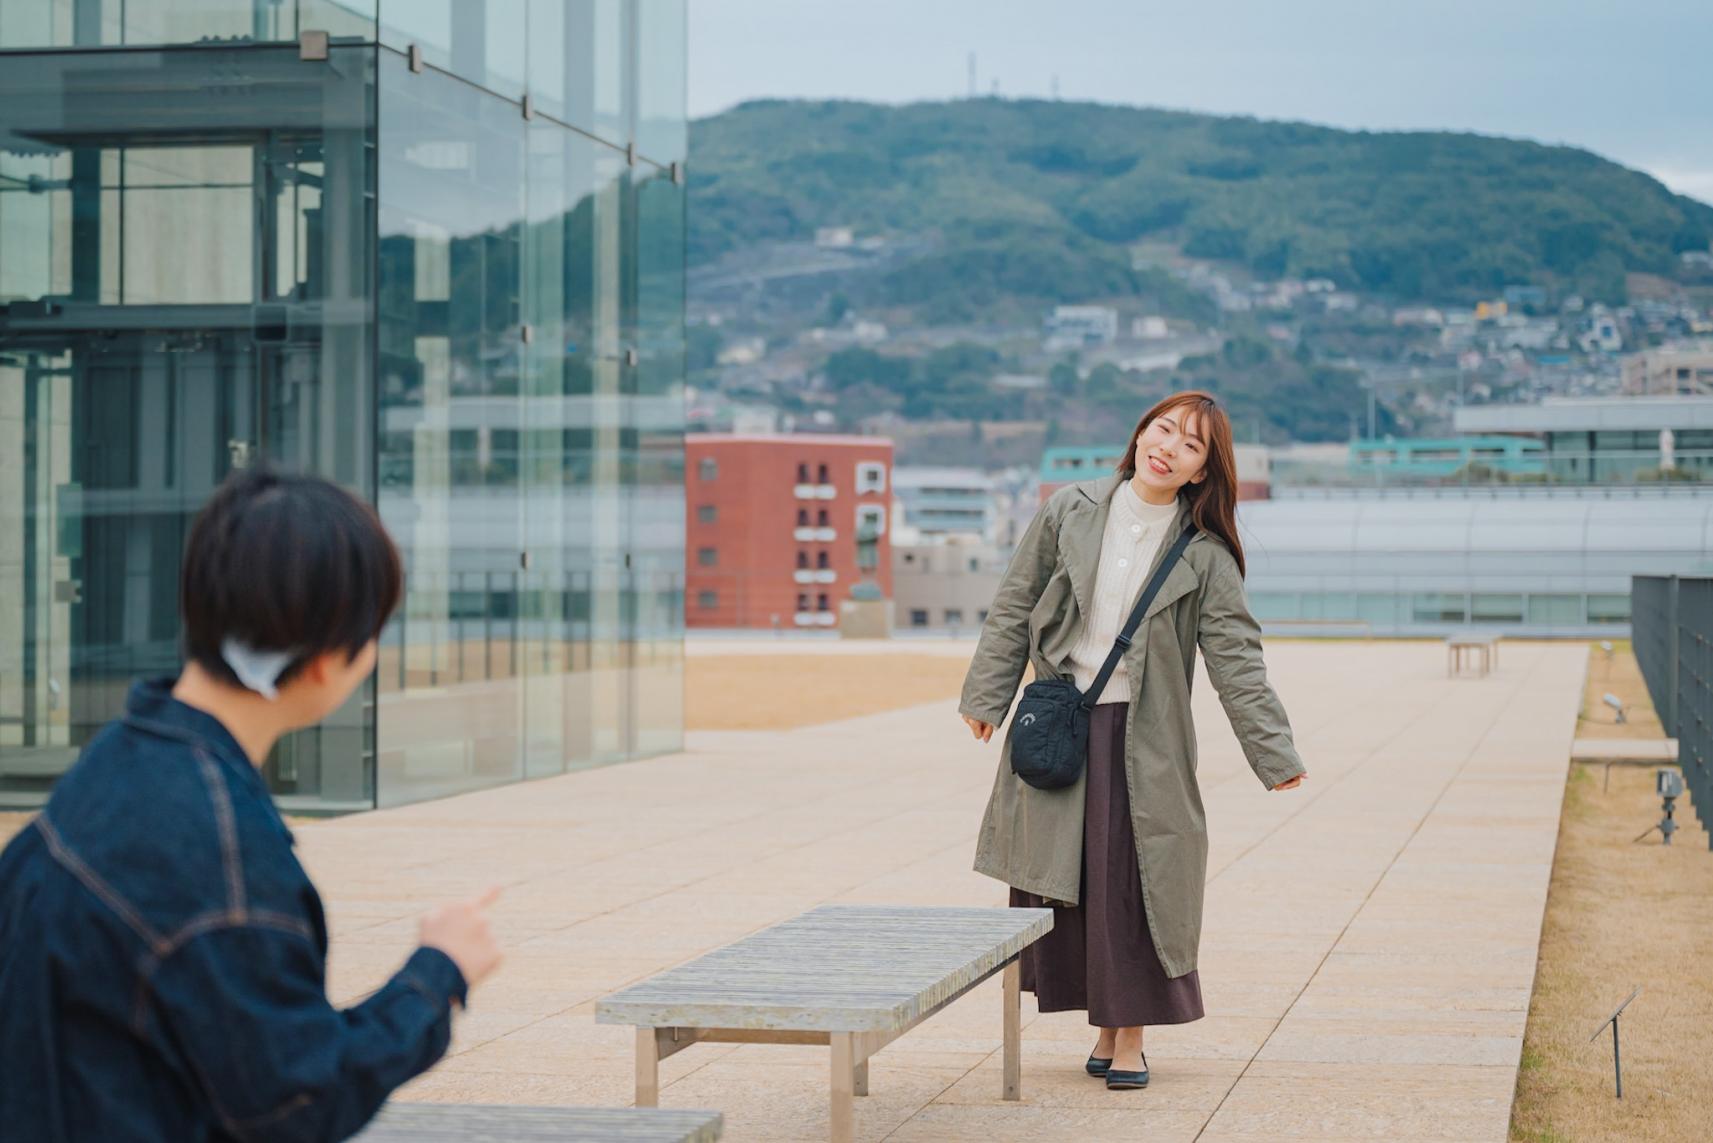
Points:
[(1080, 327), (1670, 371), (944, 582), (1607, 440), (773, 526), (1542, 560), (944, 501)]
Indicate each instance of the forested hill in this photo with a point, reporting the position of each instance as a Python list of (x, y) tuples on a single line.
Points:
[(1039, 199)]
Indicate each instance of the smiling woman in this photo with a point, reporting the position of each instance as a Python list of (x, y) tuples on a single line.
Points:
[(1121, 855)]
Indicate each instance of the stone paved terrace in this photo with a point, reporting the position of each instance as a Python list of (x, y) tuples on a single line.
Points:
[(1367, 959)]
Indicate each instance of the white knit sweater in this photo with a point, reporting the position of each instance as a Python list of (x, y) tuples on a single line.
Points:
[(1134, 532)]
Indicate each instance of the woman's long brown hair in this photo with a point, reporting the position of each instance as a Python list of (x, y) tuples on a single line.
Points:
[(1213, 501)]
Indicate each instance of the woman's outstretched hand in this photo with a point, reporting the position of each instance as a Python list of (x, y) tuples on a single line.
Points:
[(982, 730), (1293, 783)]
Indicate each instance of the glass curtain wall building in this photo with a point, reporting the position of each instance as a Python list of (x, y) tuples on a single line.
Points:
[(431, 250)]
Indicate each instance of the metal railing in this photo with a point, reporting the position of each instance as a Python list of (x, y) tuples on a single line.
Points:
[(1627, 468), (1672, 620)]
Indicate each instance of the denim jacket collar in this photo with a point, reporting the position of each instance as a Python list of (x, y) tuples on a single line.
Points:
[(152, 709)]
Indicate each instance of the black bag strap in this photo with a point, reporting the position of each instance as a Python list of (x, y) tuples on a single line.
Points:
[(1135, 620)]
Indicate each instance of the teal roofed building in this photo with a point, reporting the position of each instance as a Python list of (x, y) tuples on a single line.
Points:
[(1067, 464)]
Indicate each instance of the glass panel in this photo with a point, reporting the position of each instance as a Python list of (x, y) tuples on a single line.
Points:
[(450, 220), (1497, 608), (547, 647), (1266, 605), (580, 64), (1328, 605), (184, 283), (1380, 610), (1555, 609), (151, 23), (482, 41), (1608, 608), (1438, 607), (661, 133), (657, 494)]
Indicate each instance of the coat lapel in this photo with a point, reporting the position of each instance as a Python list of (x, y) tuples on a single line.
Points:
[(1181, 580), (1080, 537)]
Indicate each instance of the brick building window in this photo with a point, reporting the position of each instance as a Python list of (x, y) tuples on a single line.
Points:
[(708, 469), (871, 476), (802, 517), (822, 603), (707, 557), (803, 559), (822, 519), (802, 474), (707, 600), (802, 601), (707, 514), (822, 476), (823, 560)]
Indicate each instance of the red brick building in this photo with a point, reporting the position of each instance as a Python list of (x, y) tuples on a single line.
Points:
[(772, 522)]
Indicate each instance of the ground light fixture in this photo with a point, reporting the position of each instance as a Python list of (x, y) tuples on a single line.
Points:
[(1668, 784), (1616, 704), (1617, 1066)]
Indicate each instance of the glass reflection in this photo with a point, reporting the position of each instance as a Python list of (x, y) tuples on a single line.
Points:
[(452, 173), (661, 131), (183, 284), (186, 285)]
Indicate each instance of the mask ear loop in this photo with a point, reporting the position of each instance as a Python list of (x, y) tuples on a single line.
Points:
[(258, 670)]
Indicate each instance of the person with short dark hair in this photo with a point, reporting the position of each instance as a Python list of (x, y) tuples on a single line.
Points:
[(162, 952)]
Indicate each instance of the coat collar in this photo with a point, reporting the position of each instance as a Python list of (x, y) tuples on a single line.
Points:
[(151, 708), (1084, 528)]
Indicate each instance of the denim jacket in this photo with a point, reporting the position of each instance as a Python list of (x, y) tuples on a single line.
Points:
[(163, 958)]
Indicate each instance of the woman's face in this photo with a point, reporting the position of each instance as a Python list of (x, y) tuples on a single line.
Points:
[(1171, 453)]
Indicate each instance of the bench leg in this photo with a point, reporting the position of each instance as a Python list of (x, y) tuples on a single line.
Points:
[(647, 1068), (860, 1086), (1013, 1030), (841, 1106)]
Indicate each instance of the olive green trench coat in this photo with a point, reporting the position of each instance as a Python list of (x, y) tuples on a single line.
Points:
[(1033, 839)]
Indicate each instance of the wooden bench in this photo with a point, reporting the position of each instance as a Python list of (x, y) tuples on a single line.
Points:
[(853, 977), (494, 1123), (1484, 642)]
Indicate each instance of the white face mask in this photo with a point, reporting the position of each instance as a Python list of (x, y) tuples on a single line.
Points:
[(258, 670)]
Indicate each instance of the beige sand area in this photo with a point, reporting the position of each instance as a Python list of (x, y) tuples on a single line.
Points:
[(768, 684), (1369, 944)]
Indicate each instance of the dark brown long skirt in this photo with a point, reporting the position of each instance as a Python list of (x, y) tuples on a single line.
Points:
[(1100, 955)]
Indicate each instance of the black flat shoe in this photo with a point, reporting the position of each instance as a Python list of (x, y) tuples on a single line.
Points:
[(1097, 1067), (1126, 1081)]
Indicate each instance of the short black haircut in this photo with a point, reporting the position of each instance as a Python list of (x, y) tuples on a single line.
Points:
[(284, 562)]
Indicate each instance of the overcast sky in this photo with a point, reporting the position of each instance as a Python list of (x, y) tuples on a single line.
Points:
[(1630, 80)]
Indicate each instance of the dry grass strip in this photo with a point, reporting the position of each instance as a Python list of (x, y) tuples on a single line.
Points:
[(1616, 674), (1621, 913)]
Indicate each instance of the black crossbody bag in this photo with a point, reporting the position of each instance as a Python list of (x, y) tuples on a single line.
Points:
[(1049, 733)]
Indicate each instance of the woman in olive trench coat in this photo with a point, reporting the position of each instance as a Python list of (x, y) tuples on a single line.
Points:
[(1032, 839)]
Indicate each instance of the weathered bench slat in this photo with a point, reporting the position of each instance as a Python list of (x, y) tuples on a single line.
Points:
[(483, 1123), (835, 968)]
